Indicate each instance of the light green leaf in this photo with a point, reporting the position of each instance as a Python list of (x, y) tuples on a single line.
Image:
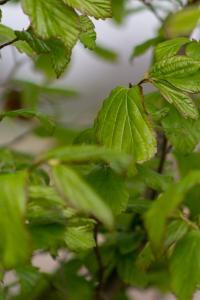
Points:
[(53, 19), (88, 34), (99, 9), (14, 241), (143, 47), (179, 99), (105, 53), (122, 124), (6, 34), (193, 50), (27, 113), (185, 266), (75, 190), (161, 209), (182, 23), (111, 187), (92, 153), (24, 47), (169, 48), (183, 134)]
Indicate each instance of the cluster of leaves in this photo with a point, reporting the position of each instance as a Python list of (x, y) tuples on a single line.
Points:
[(111, 194)]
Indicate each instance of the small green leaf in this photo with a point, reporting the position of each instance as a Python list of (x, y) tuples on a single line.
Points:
[(169, 48), (118, 10), (88, 34), (53, 19), (105, 53), (111, 187), (75, 190), (99, 9), (14, 241), (123, 125), (6, 34), (142, 48), (186, 257)]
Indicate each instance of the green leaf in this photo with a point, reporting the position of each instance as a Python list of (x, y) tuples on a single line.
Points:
[(118, 10), (111, 187), (105, 53), (183, 134), (179, 99), (123, 125), (175, 231), (14, 242), (193, 50), (75, 190), (53, 19), (27, 113), (186, 257), (99, 9), (169, 48), (157, 216), (88, 34), (92, 153), (182, 23), (143, 47), (6, 34)]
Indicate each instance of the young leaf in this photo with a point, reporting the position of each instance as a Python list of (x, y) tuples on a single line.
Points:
[(162, 208), (6, 34), (169, 48), (142, 48), (99, 9), (111, 187), (92, 153), (88, 34), (122, 124), (75, 190), (179, 99), (14, 242), (186, 257), (105, 53), (53, 19)]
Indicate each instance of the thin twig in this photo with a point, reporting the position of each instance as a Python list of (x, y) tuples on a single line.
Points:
[(8, 43), (153, 10)]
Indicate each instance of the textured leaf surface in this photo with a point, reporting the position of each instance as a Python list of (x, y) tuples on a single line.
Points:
[(75, 190), (95, 8), (122, 124), (169, 48), (88, 34), (111, 187), (185, 266), (53, 19)]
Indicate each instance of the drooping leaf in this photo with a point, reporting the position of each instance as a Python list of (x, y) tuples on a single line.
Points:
[(186, 257), (105, 53), (99, 9), (53, 19), (92, 153), (111, 187), (165, 206), (142, 48), (169, 48), (6, 34), (122, 124), (75, 190), (179, 99), (14, 241), (88, 34)]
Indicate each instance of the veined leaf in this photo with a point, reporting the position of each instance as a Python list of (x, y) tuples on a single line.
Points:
[(99, 9), (111, 187), (14, 241), (88, 34), (179, 99), (75, 190), (190, 83), (182, 23), (169, 48), (53, 19), (157, 216), (92, 153), (122, 124), (186, 257)]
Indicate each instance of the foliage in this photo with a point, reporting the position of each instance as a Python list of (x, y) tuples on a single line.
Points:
[(120, 199)]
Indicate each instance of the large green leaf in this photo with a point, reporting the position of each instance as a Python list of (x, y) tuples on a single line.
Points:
[(182, 23), (185, 266), (179, 99), (75, 190), (88, 34), (157, 216), (96, 8), (169, 48), (14, 241), (123, 125), (111, 187), (92, 153), (53, 19)]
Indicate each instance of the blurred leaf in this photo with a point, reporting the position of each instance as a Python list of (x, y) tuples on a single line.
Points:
[(6, 34), (88, 34), (145, 46), (75, 190), (111, 187), (193, 50), (105, 53), (123, 125), (118, 10), (175, 231)]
